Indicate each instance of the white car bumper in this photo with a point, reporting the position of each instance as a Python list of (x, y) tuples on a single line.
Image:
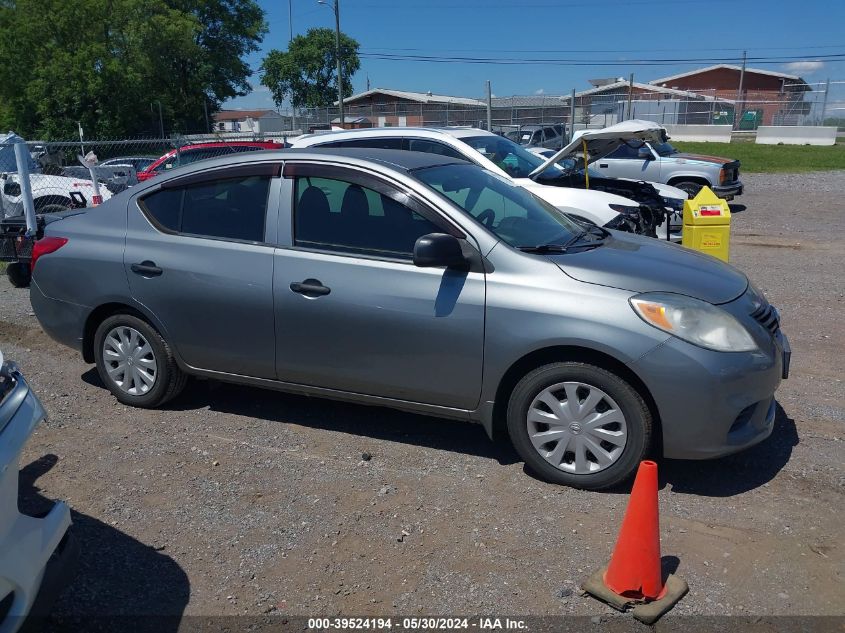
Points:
[(35, 552)]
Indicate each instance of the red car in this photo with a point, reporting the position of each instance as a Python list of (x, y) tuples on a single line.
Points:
[(192, 153)]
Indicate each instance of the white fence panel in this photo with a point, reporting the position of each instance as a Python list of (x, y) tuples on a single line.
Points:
[(795, 135), (711, 133)]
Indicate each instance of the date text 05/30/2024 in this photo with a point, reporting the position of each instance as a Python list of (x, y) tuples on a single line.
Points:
[(416, 624)]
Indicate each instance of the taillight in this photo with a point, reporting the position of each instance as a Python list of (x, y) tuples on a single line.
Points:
[(44, 246)]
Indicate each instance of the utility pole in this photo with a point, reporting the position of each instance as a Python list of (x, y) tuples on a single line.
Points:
[(824, 101), (290, 22), (489, 107), (160, 121), (739, 104), (572, 115), (630, 95), (336, 7)]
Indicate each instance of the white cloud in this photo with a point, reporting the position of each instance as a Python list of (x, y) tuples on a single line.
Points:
[(540, 91), (804, 67)]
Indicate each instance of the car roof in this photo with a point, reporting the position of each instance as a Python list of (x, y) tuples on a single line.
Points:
[(392, 159), (214, 144), (457, 132)]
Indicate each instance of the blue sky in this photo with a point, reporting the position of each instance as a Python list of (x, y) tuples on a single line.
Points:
[(613, 31)]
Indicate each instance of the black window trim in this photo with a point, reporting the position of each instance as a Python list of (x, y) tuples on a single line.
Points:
[(271, 170), (393, 190)]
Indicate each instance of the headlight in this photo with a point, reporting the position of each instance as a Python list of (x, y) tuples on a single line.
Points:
[(694, 321)]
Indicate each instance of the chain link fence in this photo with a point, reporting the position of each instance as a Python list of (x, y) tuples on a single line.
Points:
[(592, 109)]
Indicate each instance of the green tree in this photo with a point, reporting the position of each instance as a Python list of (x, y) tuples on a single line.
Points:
[(306, 73), (107, 63)]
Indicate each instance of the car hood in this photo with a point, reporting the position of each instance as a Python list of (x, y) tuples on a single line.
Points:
[(645, 264), (701, 158), (602, 142), (588, 203)]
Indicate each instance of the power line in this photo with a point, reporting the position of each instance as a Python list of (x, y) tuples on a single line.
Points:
[(592, 51), (504, 61)]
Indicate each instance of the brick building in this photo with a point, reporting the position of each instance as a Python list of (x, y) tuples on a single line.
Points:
[(768, 97)]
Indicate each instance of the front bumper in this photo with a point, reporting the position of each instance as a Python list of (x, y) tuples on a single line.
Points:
[(712, 403), (729, 190), (34, 551)]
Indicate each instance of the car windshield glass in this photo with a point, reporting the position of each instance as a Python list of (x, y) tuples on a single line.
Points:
[(515, 215), (511, 158)]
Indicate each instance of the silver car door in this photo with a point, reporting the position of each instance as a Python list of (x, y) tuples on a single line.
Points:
[(198, 260), (353, 313)]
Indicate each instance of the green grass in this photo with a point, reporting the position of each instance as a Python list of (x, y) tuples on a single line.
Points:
[(772, 158)]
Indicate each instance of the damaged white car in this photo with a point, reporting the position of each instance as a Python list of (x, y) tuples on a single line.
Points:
[(575, 160), (37, 553)]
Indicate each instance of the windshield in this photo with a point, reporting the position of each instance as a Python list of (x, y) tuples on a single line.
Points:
[(511, 158), (515, 215)]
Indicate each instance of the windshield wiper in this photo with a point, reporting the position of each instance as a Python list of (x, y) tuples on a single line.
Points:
[(573, 241), (544, 248)]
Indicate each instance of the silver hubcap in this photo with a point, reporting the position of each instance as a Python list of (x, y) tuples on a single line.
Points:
[(129, 360), (577, 428)]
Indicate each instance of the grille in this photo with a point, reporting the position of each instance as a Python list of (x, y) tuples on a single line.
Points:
[(767, 316)]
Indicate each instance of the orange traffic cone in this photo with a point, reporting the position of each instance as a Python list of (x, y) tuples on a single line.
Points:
[(634, 569), (633, 577)]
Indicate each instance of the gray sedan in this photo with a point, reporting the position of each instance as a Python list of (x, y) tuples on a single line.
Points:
[(423, 283)]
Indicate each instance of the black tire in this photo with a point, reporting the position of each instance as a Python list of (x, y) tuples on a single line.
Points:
[(52, 204), (690, 186), (19, 274), (169, 380), (638, 421)]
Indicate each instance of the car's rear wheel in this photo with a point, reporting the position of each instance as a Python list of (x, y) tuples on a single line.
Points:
[(135, 362), (579, 425), (19, 274)]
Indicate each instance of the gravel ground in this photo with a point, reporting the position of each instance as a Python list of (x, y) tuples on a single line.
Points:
[(241, 501)]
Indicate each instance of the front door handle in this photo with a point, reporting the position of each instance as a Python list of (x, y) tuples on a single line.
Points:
[(603, 165), (146, 269), (310, 288)]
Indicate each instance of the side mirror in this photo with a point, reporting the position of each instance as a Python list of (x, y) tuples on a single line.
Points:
[(645, 153), (438, 249)]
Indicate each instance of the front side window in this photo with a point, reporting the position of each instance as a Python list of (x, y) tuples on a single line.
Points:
[(511, 212), (230, 209), (335, 215), (513, 159)]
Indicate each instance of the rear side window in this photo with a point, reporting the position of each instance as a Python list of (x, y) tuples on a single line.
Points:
[(434, 147), (192, 156), (372, 143), (231, 209)]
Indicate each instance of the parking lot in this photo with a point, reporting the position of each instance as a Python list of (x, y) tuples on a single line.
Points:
[(235, 500)]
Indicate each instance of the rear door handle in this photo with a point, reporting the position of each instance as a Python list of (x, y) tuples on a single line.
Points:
[(146, 269), (310, 288), (603, 165)]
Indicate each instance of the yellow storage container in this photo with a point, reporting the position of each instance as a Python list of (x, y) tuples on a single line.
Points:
[(707, 224)]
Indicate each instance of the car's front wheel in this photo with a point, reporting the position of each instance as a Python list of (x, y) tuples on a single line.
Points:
[(579, 425), (135, 362)]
